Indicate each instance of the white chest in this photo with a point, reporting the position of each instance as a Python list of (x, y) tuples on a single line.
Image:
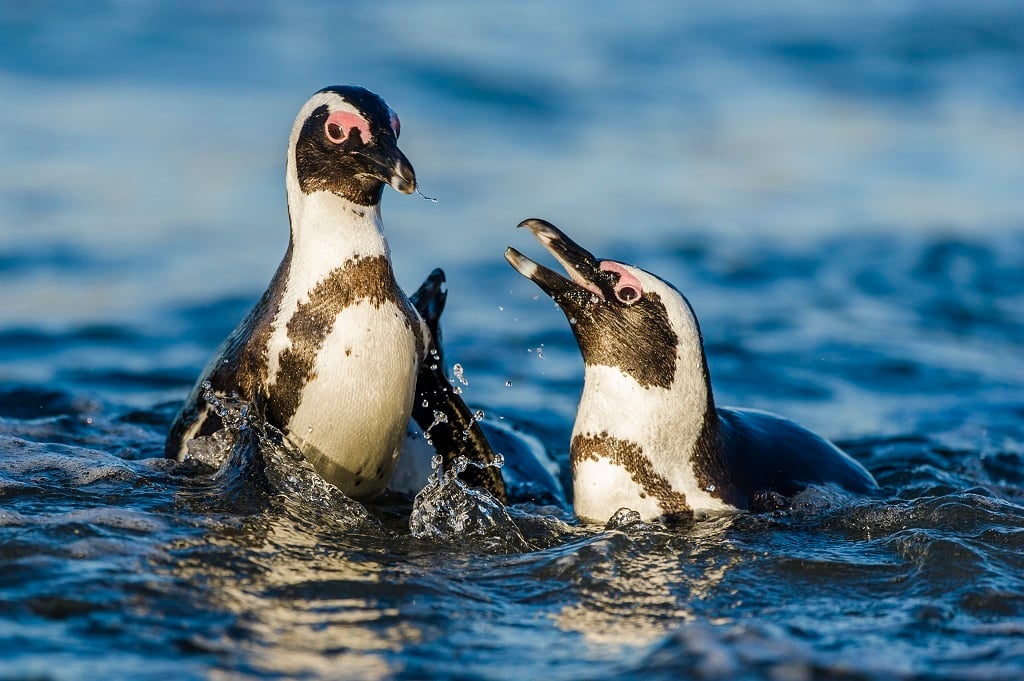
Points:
[(353, 410), (632, 448)]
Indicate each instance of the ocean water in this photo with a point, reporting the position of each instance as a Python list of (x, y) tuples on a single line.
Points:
[(837, 188)]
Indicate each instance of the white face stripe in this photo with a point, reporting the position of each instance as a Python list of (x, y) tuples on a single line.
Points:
[(334, 102)]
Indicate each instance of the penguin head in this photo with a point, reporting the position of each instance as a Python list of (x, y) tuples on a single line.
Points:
[(345, 141), (622, 316)]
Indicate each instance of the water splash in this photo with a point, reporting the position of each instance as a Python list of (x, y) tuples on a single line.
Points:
[(439, 418), (254, 458), (449, 510)]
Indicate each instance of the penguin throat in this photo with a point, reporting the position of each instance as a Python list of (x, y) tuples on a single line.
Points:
[(327, 229)]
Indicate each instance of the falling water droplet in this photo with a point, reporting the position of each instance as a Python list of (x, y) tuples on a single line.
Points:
[(508, 384), (457, 371)]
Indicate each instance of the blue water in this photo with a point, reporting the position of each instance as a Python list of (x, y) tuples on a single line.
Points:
[(837, 188)]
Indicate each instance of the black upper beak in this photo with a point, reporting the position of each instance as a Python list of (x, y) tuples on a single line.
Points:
[(391, 166), (585, 276)]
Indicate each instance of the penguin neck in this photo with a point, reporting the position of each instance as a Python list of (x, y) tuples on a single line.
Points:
[(671, 423), (328, 230)]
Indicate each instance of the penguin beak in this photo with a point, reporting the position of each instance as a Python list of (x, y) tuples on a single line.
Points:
[(585, 280), (390, 166)]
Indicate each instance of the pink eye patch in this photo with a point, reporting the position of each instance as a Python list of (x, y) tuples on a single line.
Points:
[(628, 289), (625, 278), (340, 123)]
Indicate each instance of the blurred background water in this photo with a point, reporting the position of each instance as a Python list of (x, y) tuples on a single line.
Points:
[(837, 187)]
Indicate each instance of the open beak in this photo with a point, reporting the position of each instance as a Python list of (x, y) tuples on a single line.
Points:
[(585, 280)]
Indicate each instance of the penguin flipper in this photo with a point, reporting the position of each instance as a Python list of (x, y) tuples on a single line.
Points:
[(454, 431), (429, 300)]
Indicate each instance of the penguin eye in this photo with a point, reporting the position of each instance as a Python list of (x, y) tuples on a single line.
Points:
[(627, 294), (628, 288), (339, 126), (335, 132)]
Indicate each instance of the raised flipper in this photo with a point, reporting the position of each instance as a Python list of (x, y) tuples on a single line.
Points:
[(453, 430)]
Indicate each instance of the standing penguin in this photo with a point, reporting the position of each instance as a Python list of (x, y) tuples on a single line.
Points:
[(647, 434), (334, 352)]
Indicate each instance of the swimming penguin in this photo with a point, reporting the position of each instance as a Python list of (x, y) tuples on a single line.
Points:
[(648, 435), (334, 353)]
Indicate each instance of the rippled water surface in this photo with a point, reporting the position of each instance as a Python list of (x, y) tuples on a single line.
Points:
[(836, 190)]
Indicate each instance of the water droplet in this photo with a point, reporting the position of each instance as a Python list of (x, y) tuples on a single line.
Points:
[(499, 460), (572, 320), (425, 403), (501, 308), (458, 371), (478, 415), (428, 198), (508, 384), (540, 352), (433, 367), (710, 488), (457, 389)]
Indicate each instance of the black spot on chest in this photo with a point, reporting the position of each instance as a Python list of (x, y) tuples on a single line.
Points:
[(368, 279), (630, 456), (637, 339)]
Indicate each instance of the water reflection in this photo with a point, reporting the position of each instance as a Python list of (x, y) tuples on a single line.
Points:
[(638, 582)]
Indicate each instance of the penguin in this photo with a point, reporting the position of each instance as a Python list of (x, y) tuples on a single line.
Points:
[(334, 353), (648, 435)]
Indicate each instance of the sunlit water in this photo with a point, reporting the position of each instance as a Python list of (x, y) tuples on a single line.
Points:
[(837, 191)]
